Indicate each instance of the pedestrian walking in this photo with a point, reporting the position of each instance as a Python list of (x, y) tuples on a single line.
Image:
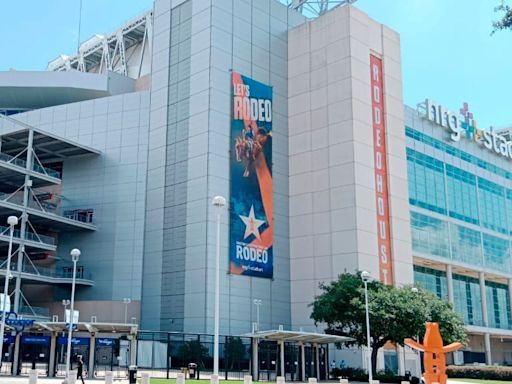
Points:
[(80, 370)]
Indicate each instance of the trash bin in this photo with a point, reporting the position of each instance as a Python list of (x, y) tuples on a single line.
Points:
[(192, 370), (132, 374)]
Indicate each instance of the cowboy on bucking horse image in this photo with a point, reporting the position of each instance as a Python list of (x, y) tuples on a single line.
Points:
[(248, 146)]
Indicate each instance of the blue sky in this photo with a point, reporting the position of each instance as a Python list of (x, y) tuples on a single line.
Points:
[(447, 51)]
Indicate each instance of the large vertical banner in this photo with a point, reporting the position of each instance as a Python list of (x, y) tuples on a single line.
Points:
[(381, 172), (251, 217)]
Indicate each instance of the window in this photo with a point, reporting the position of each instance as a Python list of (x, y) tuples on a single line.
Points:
[(466, 245), (426, 182), (496, 253), (432, 280), (492, 200), (429, 235), (468, 301), (462, 195)]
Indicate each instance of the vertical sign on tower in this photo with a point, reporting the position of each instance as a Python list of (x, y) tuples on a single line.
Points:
[(381, 172), (251, 215)]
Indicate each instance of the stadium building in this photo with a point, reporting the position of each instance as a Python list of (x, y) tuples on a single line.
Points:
[(293, 112)]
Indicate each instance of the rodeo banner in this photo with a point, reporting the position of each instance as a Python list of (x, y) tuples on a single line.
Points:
[(251, 217)]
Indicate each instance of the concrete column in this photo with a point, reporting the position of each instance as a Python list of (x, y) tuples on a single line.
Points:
[(133, 350), (510, 291), (302, 362), (483, 294), (24, 220), (255, 361), (317, 362), (15, 361), (449, 283), (326, 361), (487, 344), (281, 351), (400, 357), (53, 348), (92, 351)]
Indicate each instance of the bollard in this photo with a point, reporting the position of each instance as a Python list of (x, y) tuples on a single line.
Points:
[(312, 380), (32, 377), (145, 378), (109, 377), (280, 380), (72, 377), (247, 379), (343, 381), (214, 379), (180, 379)]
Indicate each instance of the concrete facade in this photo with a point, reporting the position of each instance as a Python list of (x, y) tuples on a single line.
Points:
[(333, 222)]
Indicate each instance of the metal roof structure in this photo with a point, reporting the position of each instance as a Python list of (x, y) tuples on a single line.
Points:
[(315, 8), (110, 52), (299, 336)]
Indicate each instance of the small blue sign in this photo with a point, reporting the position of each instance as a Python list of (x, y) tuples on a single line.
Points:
[(43, 340), (63, 340), (12, 320), (9, 339), (105, 342)]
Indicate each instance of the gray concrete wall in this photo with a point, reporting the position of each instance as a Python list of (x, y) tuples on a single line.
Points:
[(113, 184), (196, 44)]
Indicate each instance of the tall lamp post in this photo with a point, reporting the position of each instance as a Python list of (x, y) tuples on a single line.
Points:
[(12, 221), (418, 360), (257, 303), (365, 276), (65, 303), (126, 301), (75, 255), (219, 202)]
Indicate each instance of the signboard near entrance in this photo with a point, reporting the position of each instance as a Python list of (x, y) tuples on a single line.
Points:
[(105, 342), (44, 340), (63, 340)]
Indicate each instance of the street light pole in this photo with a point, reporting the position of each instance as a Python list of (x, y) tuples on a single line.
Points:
[(219, 202), (126, 301), (366, 276), (75, 255), (257, 303), (65, 303), (12, 221)]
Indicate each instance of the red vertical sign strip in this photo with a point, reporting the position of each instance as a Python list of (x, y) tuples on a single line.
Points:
[(381, 172)]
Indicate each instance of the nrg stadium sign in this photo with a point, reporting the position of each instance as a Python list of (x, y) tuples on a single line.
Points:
[(462, 124)]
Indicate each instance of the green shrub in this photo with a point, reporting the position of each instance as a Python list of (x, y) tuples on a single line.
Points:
[(479, 372)]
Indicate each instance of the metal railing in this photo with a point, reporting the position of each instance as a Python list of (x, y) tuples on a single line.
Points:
[(4, 231), (23, 164), (61, 273), (37, 312), (46, 206)]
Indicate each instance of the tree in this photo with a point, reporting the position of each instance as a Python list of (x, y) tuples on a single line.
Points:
[(506, 21), (395, 313), (193, 351), (234, 350)]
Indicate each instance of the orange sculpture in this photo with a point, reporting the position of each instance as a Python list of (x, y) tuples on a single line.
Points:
[(433, 354)]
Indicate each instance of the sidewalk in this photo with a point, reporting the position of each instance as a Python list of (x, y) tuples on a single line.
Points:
[(44, 380)]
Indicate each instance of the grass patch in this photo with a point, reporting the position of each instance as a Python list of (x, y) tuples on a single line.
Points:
[(188, 381), (478, 381)]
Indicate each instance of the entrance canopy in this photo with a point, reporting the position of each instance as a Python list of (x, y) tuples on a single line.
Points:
[(298, 336), (84, 327)]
